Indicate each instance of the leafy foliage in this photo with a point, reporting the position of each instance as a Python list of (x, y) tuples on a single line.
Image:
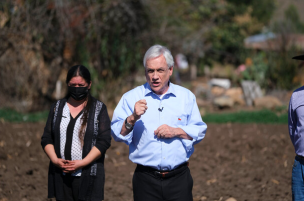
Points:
[(258, 70), (282, 70), (43, 38), (293, 18), (240, 19)]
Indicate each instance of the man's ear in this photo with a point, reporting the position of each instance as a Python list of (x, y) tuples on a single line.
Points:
[(171, 70)]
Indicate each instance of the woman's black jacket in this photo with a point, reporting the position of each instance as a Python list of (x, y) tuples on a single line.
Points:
[(98, 134)]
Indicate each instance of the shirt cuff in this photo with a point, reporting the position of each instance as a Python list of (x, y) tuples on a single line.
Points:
[(191, 131), (119, 137), (188, 144), (126, 139)]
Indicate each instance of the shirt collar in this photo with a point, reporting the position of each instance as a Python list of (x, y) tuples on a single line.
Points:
[(170, 91)]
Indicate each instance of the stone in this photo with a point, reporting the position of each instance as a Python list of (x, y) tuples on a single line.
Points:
[(231, 199), (201, 90), (275, 181), (251, 91), (236, 93), (223, 101), (203, 198), (224, 83), (28, 143), (217, 91), (268, 102), (210, 181)]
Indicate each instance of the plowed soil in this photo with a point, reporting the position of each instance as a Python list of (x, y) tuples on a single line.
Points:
[(242, 161)]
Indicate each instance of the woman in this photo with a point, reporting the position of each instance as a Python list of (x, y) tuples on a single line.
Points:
[(76, 137)]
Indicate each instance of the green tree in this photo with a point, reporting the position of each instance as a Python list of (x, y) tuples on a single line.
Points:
[(292, 17), (240, 19)]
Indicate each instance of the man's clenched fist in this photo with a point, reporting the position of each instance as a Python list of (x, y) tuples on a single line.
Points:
[(139, 109)]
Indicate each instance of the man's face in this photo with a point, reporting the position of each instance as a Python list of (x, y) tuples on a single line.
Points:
[(158, 74)]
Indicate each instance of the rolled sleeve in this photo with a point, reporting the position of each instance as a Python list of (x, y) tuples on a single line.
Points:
[(122, 111), (116, 129), (192, 131), (188, 144), (196, 132), (195, 127)]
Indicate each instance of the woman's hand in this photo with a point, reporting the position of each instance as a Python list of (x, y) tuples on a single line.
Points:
[(50, 152), (73, 166), (59, 162)]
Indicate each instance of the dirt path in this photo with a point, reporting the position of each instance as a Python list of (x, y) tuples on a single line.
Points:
[(243, 161)]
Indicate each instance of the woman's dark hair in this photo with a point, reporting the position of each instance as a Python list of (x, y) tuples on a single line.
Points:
[(82, 71), (79, 70)]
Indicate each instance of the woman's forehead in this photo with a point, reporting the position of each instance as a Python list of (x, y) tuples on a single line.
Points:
[(77, 79)]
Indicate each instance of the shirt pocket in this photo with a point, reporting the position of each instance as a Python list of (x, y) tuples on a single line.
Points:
[(179, 120)]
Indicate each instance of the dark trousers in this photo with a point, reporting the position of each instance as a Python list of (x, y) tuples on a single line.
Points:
[(149, 186), (70, 187)]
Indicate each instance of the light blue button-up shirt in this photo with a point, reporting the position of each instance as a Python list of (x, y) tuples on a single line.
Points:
[(296, 120), (177, 108)]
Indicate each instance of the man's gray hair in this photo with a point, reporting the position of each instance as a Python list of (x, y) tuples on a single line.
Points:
[(156, 51)]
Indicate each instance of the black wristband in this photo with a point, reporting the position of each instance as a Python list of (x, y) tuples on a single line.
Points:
[(128, 125)]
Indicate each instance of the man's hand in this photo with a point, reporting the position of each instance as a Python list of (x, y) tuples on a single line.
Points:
[(165, 131), (139, 109)]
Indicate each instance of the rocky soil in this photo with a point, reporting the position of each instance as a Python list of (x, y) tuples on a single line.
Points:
[(243, 162)]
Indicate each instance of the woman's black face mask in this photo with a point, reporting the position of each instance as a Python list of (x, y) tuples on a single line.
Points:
[(78, 93)]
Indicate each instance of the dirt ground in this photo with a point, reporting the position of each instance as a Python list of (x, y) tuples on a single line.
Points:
[(243, 161)]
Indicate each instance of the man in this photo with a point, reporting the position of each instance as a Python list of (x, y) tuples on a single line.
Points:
[(296, 132), (160, 122)]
